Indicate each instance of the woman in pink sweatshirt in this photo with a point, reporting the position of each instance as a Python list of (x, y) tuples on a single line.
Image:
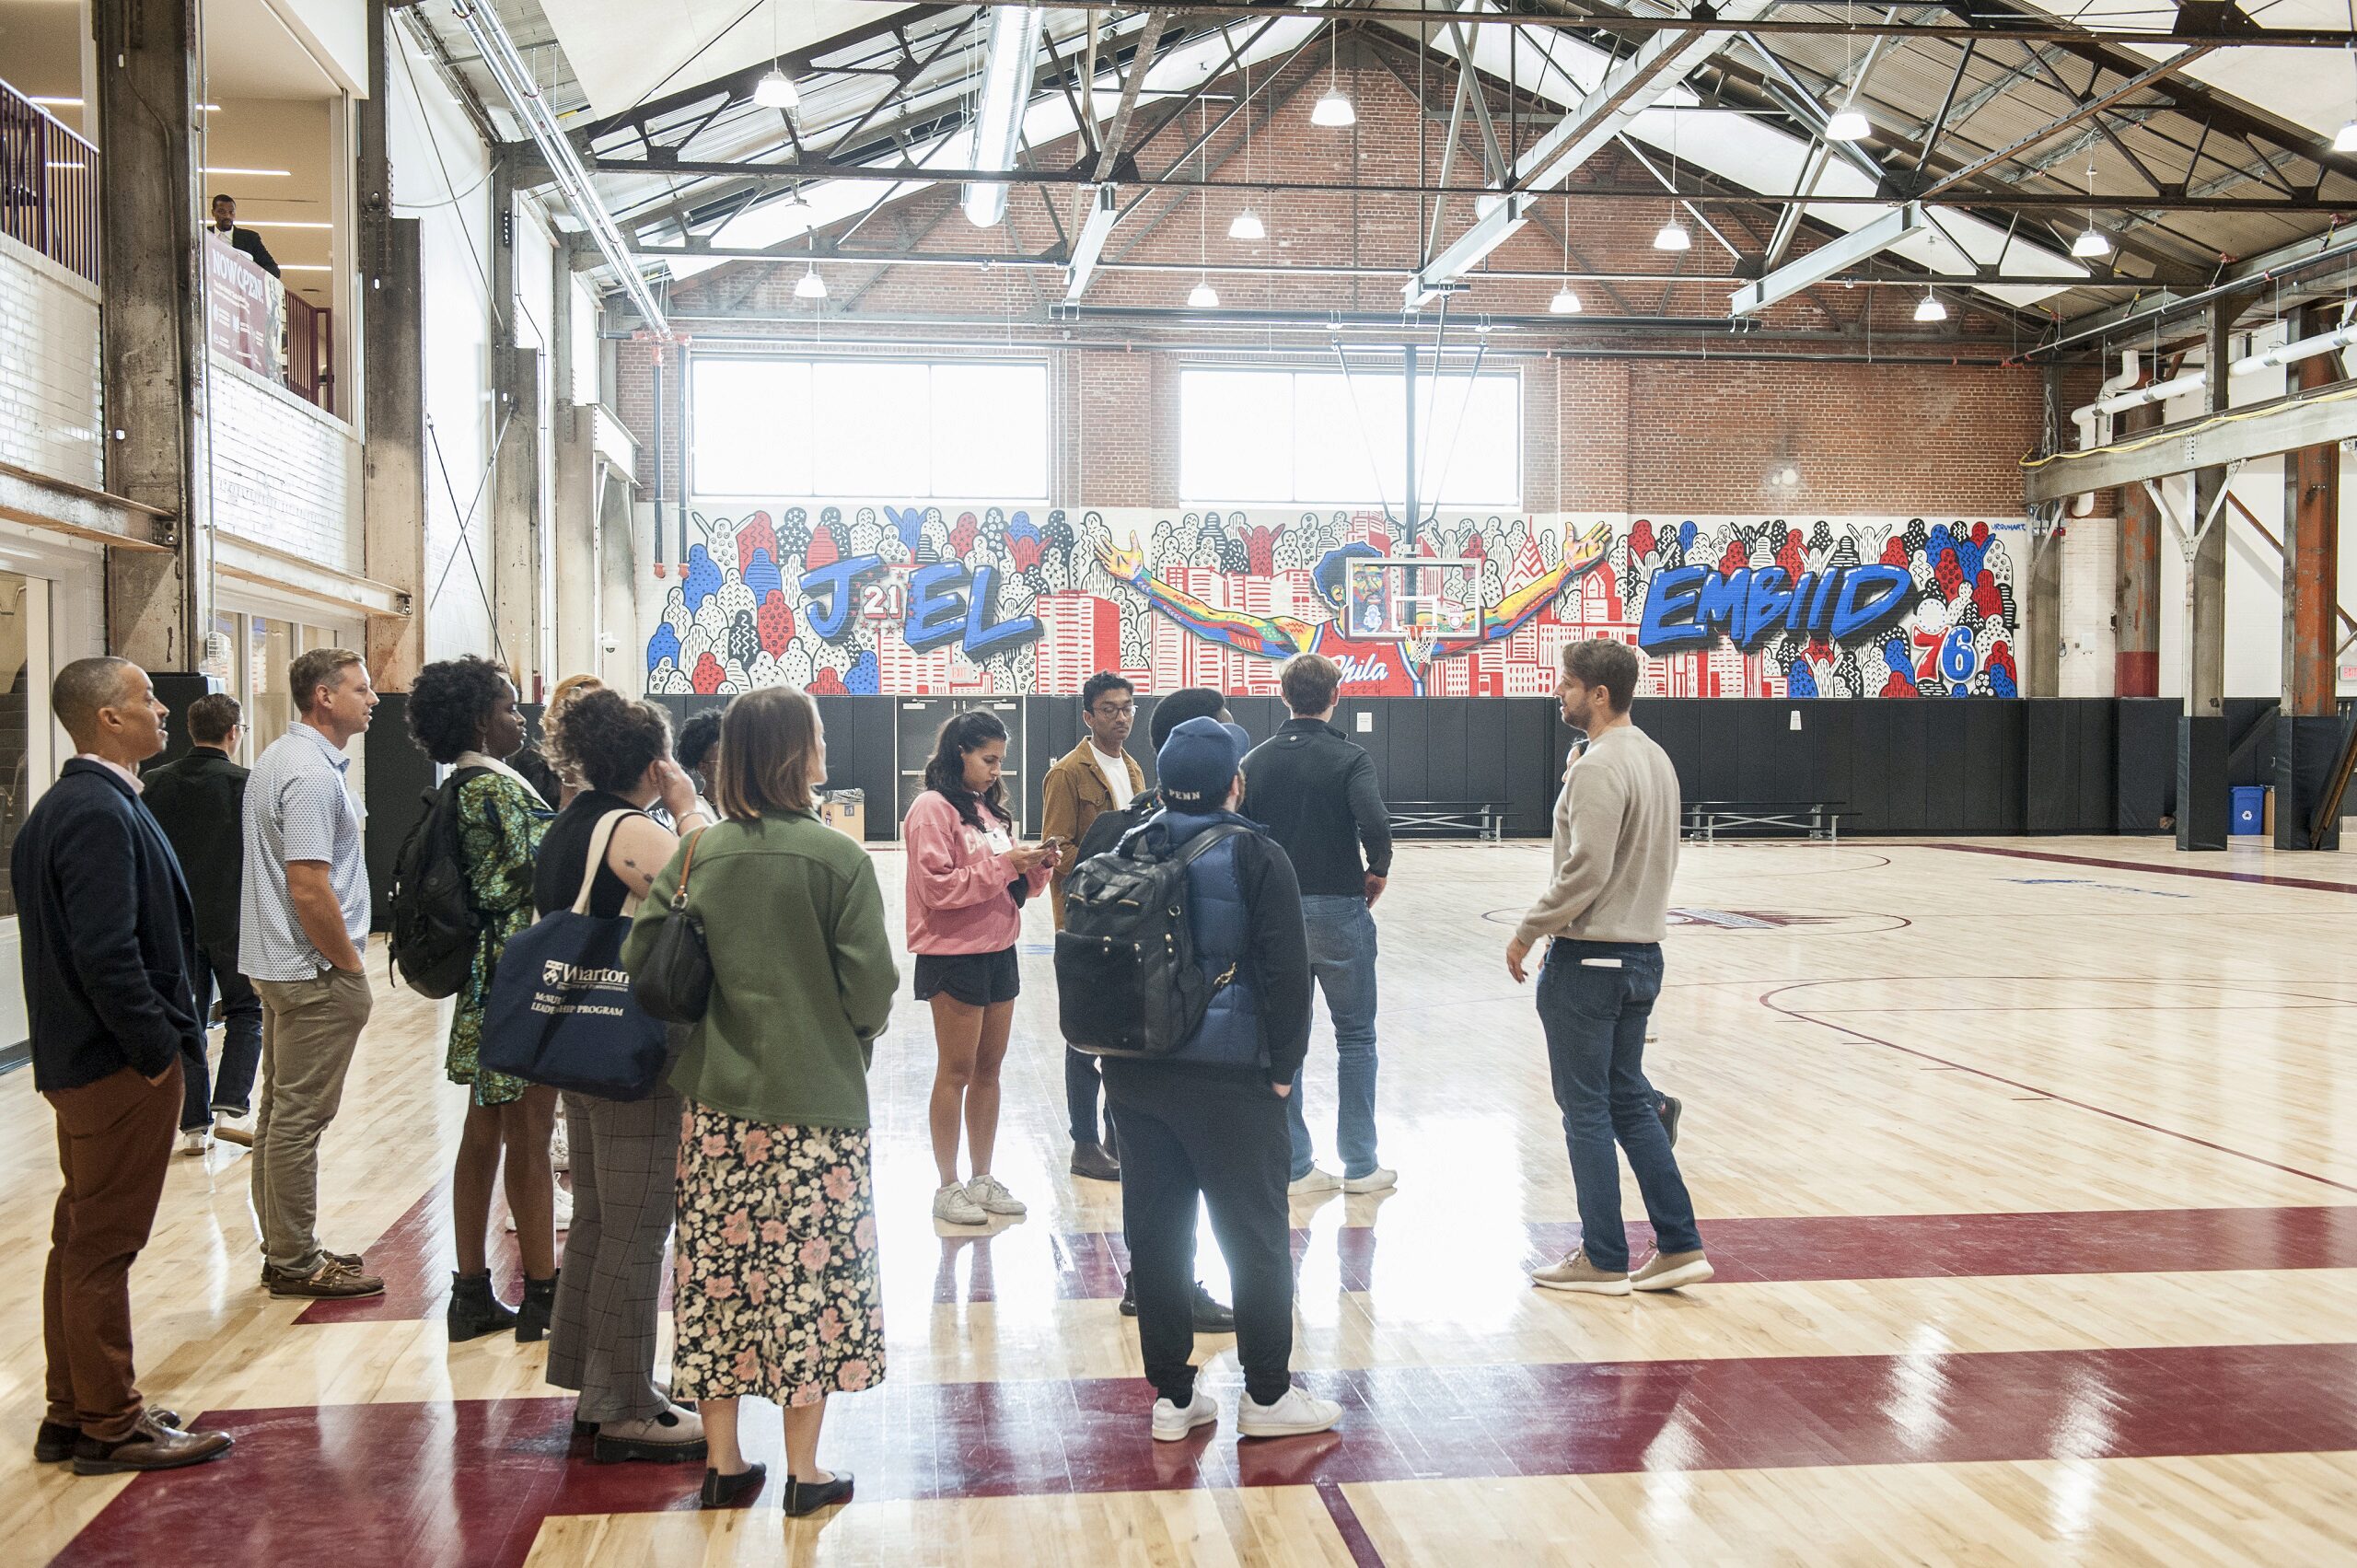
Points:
[(965, 868)]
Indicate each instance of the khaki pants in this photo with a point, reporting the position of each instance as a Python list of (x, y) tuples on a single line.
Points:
[(114, 1138), (309, 1031)]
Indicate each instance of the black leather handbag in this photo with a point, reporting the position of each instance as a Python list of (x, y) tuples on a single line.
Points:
[(675, 984)]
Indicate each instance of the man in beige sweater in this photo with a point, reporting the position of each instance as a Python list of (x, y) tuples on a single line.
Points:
[(1605, 911)]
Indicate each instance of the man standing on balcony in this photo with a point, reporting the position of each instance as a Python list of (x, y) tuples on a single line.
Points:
[(225, 219)]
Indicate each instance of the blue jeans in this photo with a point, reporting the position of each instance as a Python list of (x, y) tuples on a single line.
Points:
[(1342, 956), (1594, 1001)]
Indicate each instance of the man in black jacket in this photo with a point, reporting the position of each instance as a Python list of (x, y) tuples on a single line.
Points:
[(1315, 788), (109, 953), (200, 802), (246, 242)]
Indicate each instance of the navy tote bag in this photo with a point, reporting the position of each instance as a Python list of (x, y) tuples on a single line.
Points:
[(561, 1010)]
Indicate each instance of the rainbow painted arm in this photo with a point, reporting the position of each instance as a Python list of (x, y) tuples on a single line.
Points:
[(1271, 637), (1504, 618)]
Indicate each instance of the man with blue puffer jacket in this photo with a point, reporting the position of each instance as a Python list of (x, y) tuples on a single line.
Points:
[(1208, 1121)]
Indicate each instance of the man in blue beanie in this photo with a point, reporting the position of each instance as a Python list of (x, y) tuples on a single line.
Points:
[(1208, 1122)]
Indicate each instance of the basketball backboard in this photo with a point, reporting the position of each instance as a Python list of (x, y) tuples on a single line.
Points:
[(1398, 599)]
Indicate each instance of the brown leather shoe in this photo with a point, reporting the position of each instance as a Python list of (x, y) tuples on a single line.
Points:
[(333, 1279), (151, 1447), (53, 1443)]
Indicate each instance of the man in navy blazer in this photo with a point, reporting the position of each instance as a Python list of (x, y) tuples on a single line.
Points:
[(109, 952)]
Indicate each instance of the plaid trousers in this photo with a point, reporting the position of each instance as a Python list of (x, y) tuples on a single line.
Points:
[(625, 1173)]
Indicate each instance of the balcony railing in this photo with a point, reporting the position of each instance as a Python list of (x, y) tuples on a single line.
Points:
[(49, 185), (311, 352)]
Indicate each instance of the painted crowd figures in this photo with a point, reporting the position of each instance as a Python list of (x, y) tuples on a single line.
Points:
[(864, 599)]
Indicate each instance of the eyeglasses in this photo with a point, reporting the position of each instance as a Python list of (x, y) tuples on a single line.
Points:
[(1115, 710)]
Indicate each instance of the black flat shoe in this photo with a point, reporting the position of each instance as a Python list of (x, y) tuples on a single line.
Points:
[(53, 1443), (1210, 1317), (1670, 1110), (727, 1491), (808, 1497), (1095, 1162), (532, 1316)]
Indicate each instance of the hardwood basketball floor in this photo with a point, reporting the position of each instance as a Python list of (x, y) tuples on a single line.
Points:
[(2029, 1169)]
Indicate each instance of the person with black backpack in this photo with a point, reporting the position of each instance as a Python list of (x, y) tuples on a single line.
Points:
[(1198, 1000)]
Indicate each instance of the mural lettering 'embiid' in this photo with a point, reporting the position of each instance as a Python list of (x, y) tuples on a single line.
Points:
[(919, 601)]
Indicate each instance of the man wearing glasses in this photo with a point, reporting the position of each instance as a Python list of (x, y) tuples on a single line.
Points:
[(1095, 776)]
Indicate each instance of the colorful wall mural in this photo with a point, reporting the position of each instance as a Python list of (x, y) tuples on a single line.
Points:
[(920, 601)]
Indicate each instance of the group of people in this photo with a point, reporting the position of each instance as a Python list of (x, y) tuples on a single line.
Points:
[(756, 1148)]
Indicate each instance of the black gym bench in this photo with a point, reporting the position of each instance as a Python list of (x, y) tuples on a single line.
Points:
[(1817, 819), (1484, 819)]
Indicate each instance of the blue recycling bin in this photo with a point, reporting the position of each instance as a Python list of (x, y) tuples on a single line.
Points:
[(2250, 809)]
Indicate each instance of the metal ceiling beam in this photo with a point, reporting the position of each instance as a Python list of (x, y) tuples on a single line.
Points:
[(1829, 259), (2318, 420), (2088, 107), (791, 174), (1613, 21)]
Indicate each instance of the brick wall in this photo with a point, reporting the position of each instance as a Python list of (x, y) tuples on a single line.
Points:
[(284, 473), (50, 412)]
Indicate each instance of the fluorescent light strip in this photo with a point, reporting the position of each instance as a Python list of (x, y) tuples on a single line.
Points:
[(305, 267), (282, 223), (251, 173), (56, 102)]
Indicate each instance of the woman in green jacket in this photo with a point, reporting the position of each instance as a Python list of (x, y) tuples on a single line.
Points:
[(776, 1293)]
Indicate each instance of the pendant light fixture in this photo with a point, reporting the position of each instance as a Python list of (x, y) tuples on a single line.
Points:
[(1848, 124), (2092, 241), (1566, 302), (1334, 110), (1672, 235), (1202, 296), (1247, 224), (776, 90), (810, 285), (1929, 308)]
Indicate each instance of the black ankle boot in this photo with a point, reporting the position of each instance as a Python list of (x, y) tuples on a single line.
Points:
[(474, 1310), (532, 1316)]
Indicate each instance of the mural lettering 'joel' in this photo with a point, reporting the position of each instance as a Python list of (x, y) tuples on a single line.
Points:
[(916, 600)]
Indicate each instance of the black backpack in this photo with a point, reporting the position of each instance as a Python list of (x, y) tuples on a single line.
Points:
[(1126, 982), (435, 928)]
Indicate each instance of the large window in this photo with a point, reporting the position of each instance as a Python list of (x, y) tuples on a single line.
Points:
[(868, 429), (1324, 438)]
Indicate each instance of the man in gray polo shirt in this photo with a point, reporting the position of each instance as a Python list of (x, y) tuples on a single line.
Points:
[(304, 926)]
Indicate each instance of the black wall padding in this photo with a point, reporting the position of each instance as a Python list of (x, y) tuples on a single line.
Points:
[(2204, 807), (397, 777), (2067, 765), (2306, 750), (2251, 737), (2144, 787)]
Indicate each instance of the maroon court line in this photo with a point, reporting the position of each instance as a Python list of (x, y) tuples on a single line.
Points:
[(2266, 877), (1088, 1265), (466, 1483), (1768, 999), (1347, 1525)]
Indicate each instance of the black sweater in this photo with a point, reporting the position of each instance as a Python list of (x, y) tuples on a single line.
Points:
[(1314, 789)]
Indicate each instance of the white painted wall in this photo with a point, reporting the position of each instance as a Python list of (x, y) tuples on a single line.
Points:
[(442, 177), (51, 419)]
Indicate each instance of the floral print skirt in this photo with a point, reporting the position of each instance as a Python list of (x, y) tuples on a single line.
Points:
[(777, 1293)]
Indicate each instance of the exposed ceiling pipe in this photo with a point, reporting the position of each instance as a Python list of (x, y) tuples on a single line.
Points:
[(1007, 71), (2087, 419), (2293, 353), (524, 101)]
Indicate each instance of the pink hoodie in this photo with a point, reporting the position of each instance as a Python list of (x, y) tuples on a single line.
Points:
[(958, 900)]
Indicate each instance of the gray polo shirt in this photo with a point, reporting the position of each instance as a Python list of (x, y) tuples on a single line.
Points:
[(298, 807)]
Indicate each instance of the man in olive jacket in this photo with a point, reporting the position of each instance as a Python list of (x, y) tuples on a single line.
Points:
[(1093, 778), (200, 802)]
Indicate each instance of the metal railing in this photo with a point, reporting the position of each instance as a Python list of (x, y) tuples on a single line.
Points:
[(311, 352), (49, 185)]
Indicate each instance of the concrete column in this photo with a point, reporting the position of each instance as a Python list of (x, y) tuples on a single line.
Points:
[(573, 504), (2201, 801), (2041, 628), (2136, 598), (387, 388), (2307, 728), (153, 358), (516, 519)]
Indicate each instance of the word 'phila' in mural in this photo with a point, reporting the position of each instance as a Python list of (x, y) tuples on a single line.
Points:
[(914, 600)]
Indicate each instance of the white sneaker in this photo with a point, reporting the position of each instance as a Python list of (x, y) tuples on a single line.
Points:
[(1320, 1179), (1171, 1424), (990, 1195), (563, 1211), (666, 1436), (953, 1206), (198, 1142), (1291, 1416), (561, 1146), (1376, 1181)]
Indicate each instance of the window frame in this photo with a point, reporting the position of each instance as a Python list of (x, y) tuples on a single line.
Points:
[(1511, 376)]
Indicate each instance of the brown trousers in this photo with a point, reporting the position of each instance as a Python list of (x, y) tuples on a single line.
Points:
[(114, 1140)]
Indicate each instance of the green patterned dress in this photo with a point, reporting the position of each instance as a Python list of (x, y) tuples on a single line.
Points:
[(500, 824)]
